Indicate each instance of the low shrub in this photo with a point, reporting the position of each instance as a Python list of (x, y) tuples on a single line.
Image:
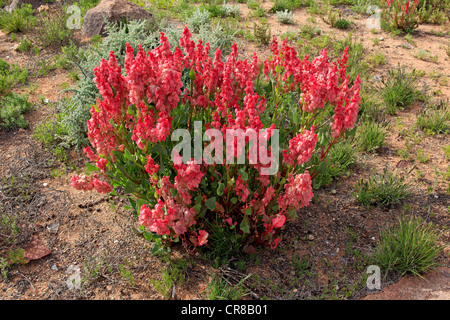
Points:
[(176, 189), (410, 246)]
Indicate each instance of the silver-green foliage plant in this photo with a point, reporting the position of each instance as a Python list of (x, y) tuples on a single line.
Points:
[(198, 18), (285, 17)]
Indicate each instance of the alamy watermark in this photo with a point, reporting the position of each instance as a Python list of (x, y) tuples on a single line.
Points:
[(373, 281)]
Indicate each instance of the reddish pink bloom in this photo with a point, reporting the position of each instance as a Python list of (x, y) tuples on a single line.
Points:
[(298, 192), (301, 148), (202, 236), (241, 189), (279, 221), (101, 164), (91, 155), (151, 167)]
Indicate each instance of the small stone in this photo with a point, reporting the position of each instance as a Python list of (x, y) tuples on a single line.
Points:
[(54, 267), (45, 184), (381, 38), (436, 196), (333, 191), (53, 228), (46, 100), (310, 237), (376, 78), (373, 238), (292, 273)]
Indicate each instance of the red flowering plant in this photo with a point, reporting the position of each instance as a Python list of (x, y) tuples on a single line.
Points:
[(301, 106), (401, 15)]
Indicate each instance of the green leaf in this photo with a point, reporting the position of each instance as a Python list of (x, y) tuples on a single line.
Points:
[(91, 167), (211, 203), (197, 207), (248, 211), (243, 174), (160, 149), (173, 192), (245, 225), (220, 189), (233, 200), (198, 199)]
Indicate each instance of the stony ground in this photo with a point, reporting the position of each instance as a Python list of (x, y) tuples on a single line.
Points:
[(68, 234)]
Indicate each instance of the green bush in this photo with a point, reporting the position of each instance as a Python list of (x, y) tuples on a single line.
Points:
[(10, 75), (435, 119), (385, 189), (12, 108), (411, 246), (399, 90), (370, 136), (18, 20)]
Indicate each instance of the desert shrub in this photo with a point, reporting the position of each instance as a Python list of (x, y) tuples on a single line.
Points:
[(10, 75), (282, 5), (370, 136), (435, 119), (231, 10), (433, 11), (410, 246), (286, 17), (18, 20), (12, 108), (198, 18), (50, 134), (262, 32), (177, 190), (53, 30), (399, 89), (382, 188), (400, 15)]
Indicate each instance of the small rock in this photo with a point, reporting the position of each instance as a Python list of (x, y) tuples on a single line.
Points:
[(333, 191), (53, 228), (292, 273), (54, 267), (381, 38), (45, 100), (376, 78), (373, 238), (43, 8), (45, 184), (436, 196), (310, 237)]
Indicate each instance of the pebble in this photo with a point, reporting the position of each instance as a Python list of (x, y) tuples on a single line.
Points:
[(310, 237), (45, 184), (381, 38), (333, 191), (53, 228), (54, 267)]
